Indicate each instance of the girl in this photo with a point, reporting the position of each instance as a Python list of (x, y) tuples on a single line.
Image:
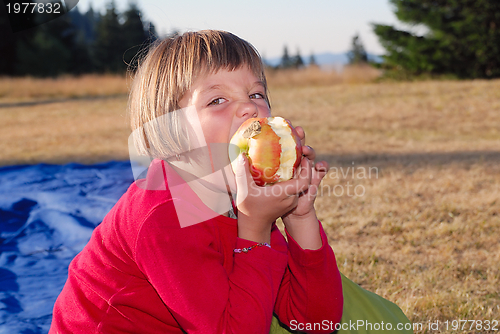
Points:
[(174, 255)]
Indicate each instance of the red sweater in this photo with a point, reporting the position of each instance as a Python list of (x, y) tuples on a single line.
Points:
[(141, 272)]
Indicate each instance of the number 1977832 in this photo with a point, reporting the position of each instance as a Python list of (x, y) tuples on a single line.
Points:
[(472, 324), (34, 7)]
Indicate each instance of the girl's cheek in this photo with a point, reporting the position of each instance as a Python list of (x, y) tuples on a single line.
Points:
[(266, 112)]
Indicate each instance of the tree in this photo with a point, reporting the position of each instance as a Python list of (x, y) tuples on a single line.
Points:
[(297, 61), (286, 60), (8, 44), (10, 41), (109, 44), (84, 27), (89, 27), (44, 55), (49, 50), (134, 34), (151, 33), (358, 54), (312, 60), (462, 38), (74, 43), (117, 44), (290, 62)]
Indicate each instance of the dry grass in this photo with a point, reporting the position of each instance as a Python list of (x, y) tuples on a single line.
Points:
[(29, 89), (422, 232), (79, 119), (395, 117), (424, 237), (83, 131), (316, 76)]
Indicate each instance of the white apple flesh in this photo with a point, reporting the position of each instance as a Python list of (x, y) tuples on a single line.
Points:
[(272, 146)]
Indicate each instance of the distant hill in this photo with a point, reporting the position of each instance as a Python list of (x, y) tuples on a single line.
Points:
[(326, 59)]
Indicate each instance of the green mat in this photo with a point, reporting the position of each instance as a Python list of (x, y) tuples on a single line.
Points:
[(364, 312)]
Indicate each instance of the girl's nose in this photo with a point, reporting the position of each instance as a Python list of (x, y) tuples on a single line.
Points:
[(249, 109)]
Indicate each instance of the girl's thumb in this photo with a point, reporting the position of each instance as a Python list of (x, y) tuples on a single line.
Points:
[(243, 177), (241, 165)]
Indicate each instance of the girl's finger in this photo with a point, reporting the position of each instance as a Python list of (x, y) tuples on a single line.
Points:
[(309, 152), (296, 185), (305, 174), (302, 135), (319, 172), (321, 167)]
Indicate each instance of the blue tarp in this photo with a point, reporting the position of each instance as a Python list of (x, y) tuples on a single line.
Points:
[(47, 214)]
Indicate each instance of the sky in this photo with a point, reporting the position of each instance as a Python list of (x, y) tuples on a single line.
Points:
[(308, 27)]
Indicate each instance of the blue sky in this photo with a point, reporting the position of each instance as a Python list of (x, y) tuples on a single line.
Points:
[(314, 26)]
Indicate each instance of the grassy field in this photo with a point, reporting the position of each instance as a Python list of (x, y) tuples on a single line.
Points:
[(412, 201)]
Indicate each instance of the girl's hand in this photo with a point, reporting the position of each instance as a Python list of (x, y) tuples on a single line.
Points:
[(302, 222), (314, 174), (259, 207), (317, 171)]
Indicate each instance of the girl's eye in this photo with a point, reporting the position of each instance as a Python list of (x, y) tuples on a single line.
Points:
[(217, 101), (257, 96)]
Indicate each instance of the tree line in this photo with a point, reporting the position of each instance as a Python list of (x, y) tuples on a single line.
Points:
[(76, 43), (450, 38), (356, 55), (459, 38)]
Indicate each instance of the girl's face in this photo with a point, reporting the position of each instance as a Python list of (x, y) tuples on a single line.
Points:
[(224, 100)]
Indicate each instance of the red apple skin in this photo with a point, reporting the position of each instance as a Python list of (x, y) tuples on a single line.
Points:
[(264, 151)]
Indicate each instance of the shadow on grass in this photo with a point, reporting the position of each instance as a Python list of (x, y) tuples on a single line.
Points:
[(60, 100), (65, 159), (416, 159)]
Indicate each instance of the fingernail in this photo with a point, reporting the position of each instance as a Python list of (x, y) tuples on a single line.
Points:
[(241, 160)]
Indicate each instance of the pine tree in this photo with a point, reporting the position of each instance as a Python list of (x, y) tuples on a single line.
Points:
[(8, 44), (462, 38), (44, 55), (49, 51), (151, 33), (358, 54), (90, 25), (75, 43), (134, 34), (286, 60), (81, 61), (297, 61), (312, 60), (109, 45)]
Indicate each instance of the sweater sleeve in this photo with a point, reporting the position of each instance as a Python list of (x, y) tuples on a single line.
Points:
[(187, 271), (311, 291)]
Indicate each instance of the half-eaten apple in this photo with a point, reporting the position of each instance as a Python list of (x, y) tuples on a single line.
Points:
[(272, 146)]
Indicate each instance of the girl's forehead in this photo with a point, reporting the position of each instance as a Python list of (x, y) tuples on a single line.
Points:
[(243, 73)]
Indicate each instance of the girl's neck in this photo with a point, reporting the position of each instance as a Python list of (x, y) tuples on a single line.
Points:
[(211, 187)]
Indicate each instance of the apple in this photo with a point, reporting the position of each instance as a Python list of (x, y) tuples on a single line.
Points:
[(272, 146)]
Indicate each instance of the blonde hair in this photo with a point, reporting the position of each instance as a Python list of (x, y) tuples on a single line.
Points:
[(167, 72)]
